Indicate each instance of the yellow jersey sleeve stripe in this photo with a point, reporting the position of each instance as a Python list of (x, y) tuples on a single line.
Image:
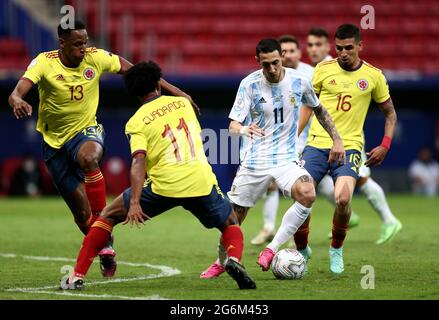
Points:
[(27, 79), (135, 153), (324, 63)]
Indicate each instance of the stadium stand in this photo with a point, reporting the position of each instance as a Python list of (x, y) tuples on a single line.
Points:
[(217, 37)]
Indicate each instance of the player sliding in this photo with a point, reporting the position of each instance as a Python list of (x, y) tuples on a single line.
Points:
[(68, 85), (165, 138), (345, 85), (266, 115)]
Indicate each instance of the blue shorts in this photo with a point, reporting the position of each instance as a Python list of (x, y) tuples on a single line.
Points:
[(316, 163), (212, 210), (61, 163)]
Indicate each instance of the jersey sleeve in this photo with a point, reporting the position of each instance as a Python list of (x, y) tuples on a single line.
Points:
[(108, 62), (309, 97), (317, 80), (242, 104), (381, 91), (35, 70), (136, 138)]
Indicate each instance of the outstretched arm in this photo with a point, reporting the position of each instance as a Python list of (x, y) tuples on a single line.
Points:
[(173, 90), (377, 154), (125, 65), (137, 176), (21, 108), (337, 152)]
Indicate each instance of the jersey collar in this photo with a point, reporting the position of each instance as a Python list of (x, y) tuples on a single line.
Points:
[(151, 99), (351, 70)]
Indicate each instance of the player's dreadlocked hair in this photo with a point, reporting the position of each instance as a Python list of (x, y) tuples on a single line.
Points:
[(142, 78)]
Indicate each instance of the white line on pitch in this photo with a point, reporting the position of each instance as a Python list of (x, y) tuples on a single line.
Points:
[(102, 296), (165, 271)]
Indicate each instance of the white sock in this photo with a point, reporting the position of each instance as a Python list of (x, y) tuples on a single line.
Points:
[(326, 188), (291, 221), (270, 209), (377, 199)]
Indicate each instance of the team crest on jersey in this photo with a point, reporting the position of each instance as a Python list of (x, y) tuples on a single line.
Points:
[(362, 84), (89, 73), (292, 99)]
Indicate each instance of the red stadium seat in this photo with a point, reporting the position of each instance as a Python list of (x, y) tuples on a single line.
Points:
[(116, 174), (200, 32), (8, 169)]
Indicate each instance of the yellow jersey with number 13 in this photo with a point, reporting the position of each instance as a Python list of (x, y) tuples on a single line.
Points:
[(69, 97), (167, 130), (347, 96)]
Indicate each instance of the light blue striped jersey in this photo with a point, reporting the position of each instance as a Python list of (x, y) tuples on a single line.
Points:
[(274, 107)]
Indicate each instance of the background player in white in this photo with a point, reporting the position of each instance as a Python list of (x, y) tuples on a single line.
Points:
[(266, 114)]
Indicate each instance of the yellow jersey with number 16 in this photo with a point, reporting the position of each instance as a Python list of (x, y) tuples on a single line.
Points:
[(167, 130), (69, 97), (347, 96)]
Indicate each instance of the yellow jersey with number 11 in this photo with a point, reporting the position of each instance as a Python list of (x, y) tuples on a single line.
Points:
[(167, 130), (347, 96), (69, 97)]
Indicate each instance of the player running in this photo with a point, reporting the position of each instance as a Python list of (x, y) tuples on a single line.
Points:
[(291, 55), (266, 115), (165, 138), (346, 85), (318, 50), (68, 85)]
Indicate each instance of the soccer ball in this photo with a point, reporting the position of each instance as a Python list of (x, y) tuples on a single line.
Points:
[(288, 264)]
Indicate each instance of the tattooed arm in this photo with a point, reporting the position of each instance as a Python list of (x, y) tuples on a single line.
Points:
[(337, 152)]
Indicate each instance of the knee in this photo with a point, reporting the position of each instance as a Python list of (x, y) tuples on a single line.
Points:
[(306, 194), (89, 162), (342, 200), (81, 216)]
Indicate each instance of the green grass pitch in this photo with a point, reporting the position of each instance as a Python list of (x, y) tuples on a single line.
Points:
[(406, 268)]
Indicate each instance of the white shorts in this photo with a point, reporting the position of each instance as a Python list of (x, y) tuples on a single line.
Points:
[(363, 172), (249, 185)]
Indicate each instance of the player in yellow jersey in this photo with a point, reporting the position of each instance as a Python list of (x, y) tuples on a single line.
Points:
[(165, 140), (346, 86), (68, 85)]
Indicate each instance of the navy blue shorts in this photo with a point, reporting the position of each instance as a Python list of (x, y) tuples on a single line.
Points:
[(61, 163), (212, 210), (316, 163)]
